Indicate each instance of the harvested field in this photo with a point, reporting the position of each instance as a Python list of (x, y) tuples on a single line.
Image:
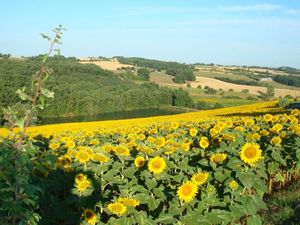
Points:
[(107, 65), (217, 84)]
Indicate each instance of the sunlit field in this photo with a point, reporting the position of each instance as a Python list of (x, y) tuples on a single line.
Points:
[(206, 167)]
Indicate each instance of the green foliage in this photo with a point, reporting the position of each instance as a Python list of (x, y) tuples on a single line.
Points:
[(5, 55), (153, 64), (269, 93), (84, 88), (288, 80), (209, 90), (19, 196), (236, 81), (283, 102), (245, 91), (143, 73), (181, 72)]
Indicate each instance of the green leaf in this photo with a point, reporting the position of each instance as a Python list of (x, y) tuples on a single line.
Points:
[(47, 93), (246, 179), (159, 193), (234, 163), (165, 219), (220, 176), (22, 95), (141, 218), (153, 203), (151, 183), (272, 167), (254, 220), (260, 187), (218, 216), (45, 37), (279, 177), (276, 155)]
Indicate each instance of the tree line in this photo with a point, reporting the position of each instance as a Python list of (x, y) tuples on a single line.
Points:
[(288, 80)]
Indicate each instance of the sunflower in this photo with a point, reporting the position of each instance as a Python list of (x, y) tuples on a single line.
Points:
[(54, 145), (80, 177), (268, 117), (255, 128), (139, 161), (108, 147), (122, 150), (156, 165), (276, 141), (100, 158), (83, 185), (70, 144), (193, 132), (228, 123), (218, 157), (94, 142), (204, 143), (175, 125), (64, 161), (233, 185), (117, 208), (159, 142), (90, 216), (213, 131), (129, 202), (249, 122), (264, 132), (187, 191), (185, 147), (255, 136), (200, 178), (250, 153), (82, 156)]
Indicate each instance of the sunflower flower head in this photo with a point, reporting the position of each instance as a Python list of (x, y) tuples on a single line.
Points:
[(193, 132), (122, 150), (233, 185), (250, 153), (200, 178), (218, 157), (129, 202), (187, 191), (276, 140), (204, 143), (117, 208), (90, 216), (156, 165), (139, 161)]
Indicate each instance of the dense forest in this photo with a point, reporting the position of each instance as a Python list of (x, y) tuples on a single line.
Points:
[(288, 80), (84, 88), (180, 71)]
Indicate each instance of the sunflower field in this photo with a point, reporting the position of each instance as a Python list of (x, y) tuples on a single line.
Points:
[(211, 167)]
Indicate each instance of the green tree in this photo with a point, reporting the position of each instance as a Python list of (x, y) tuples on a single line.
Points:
[(143, 73)]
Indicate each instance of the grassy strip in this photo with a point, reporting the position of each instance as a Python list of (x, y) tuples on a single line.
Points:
[(284, 206)]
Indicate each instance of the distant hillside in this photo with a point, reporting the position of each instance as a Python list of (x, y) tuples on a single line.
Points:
[(84, 89), (181, 72), (289, 70)]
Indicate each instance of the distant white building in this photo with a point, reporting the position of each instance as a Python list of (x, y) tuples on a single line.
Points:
[(265, 79)]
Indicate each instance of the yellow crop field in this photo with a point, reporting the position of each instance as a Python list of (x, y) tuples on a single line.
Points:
[(207, 167)]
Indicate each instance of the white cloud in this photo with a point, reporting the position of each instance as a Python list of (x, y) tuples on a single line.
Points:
[(250, 8), (293, 12)]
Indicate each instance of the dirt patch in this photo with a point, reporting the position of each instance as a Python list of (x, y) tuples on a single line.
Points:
[(107, 65)]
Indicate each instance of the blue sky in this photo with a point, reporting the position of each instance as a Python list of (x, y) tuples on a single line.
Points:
[(264, 33)]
